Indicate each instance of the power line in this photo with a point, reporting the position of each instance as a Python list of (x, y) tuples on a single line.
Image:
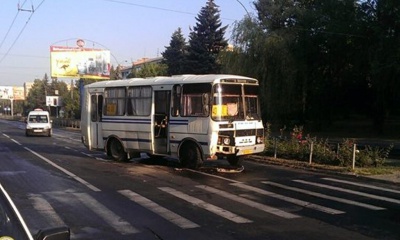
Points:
[(9, 29), (20, 33), (161, 9), (150, 7)]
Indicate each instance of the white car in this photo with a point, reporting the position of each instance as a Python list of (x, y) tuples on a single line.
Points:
[(38, 123)]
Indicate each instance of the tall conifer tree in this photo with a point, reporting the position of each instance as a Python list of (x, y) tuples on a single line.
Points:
[(174, 55), (206, 40)]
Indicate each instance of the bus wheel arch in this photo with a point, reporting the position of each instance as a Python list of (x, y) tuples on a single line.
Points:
[(190, 154), (115, 149)]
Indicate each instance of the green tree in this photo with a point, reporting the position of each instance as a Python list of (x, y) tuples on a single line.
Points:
[(309, 57), (113, 73), (41, 88), (37, 95), (382, 25), (152, 70), (206, 40), (174, 54)]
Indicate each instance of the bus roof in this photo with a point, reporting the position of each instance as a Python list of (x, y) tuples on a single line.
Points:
[(176, 79)]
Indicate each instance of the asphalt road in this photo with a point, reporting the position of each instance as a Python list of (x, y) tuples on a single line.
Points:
[(56, 181)]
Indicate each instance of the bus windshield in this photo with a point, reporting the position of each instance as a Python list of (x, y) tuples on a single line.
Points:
[(235, 102)]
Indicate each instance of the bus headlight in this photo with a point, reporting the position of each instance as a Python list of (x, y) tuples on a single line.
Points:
[(227, 141), (259, 140)]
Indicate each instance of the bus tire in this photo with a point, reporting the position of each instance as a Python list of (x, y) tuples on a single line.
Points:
[(117, 151), (235, 160), (190, 156)]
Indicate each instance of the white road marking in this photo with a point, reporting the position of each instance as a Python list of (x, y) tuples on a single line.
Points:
[(42, 206), (16, 142), (250, 203), (362, 185), (289, 199), (107, 215), (320, 195), (207, 206), (65, 171), (211, 175), (392, 200), (163, 212)]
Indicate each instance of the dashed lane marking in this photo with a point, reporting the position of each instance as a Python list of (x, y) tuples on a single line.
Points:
[(64, 171)]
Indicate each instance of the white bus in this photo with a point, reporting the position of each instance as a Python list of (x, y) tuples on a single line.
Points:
[(193, 118)]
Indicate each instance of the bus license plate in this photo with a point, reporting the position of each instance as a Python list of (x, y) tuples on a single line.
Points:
[(247, 151)]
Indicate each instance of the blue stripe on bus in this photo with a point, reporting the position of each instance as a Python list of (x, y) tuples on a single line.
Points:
[(179, 141), (132, 139), (126, 120), (143, 121), (178, 122), (149, 141)]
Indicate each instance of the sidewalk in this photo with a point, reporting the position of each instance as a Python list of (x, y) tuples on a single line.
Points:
[(393, 177)]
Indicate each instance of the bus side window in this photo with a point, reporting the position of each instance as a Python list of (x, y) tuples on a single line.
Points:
[(93, 108), (176, 100), (100, 107)]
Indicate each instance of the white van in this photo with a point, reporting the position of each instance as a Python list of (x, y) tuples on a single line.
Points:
[(38, 123)]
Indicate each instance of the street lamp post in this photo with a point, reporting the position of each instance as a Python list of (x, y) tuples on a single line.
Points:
[(248, 14)]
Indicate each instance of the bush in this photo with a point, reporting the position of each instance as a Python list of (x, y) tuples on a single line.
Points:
[(339, 154)]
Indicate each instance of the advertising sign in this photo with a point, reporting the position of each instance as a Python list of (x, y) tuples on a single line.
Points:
[(79, 62), (19, 93), (6, 93), (53, 101)]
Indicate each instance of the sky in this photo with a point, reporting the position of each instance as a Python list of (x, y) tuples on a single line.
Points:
[(129, 29)]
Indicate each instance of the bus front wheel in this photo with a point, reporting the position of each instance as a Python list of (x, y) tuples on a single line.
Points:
[(117, 151), (190, 156)]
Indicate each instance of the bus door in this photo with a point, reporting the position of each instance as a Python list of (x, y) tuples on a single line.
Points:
[(96, 110), (161, 121)]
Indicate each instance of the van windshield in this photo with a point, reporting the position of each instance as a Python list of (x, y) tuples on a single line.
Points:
[(38, 119)]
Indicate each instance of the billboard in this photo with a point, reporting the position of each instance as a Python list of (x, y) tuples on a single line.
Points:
[(15, 93), (19, 93), (79, 62), (6, 93), (53, 101)]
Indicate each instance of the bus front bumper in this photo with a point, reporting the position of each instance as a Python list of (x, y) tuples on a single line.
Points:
[(239, 150)]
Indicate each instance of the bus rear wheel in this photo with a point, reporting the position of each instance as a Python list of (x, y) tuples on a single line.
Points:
[(117, 152), (235, 160), (190, 156)]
